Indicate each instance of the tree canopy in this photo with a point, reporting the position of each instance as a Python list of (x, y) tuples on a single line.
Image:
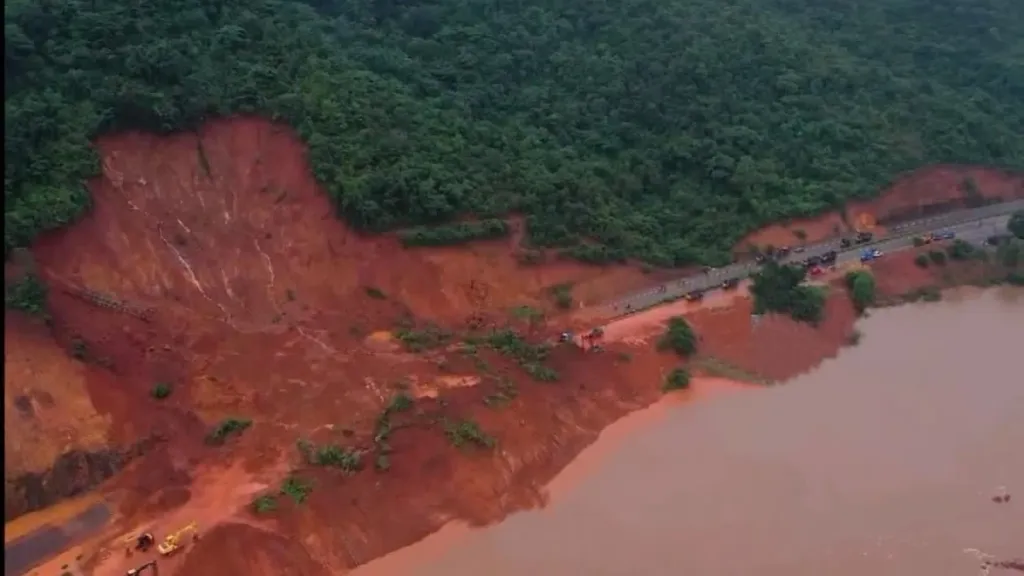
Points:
[(662, 130)]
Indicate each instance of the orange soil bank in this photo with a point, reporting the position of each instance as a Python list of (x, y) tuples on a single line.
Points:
[(238, 286)]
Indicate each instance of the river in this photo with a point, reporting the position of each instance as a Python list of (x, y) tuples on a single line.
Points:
[(881, 462)]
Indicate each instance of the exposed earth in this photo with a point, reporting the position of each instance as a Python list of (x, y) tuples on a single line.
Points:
[(212, 263)]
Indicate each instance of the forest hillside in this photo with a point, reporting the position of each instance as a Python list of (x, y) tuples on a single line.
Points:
[(657, 129)]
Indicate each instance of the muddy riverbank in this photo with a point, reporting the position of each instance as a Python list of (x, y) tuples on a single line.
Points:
[(883, 461)]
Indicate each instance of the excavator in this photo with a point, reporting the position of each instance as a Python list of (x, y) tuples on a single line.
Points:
[(142, 542), (172, 543), (138, 571)]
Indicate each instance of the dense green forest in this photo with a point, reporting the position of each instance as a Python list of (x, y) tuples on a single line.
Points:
[(658, 129)]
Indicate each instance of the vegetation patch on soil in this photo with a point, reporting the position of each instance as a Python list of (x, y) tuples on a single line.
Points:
[(779, 288)]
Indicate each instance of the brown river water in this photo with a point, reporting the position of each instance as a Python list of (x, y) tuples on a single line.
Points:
[(881, 462)]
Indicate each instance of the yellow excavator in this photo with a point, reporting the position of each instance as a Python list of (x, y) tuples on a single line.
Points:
[(172, 543)]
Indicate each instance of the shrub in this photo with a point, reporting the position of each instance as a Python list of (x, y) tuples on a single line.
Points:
[(348, 460), (27, 294), (677, 379), (919, 241), (451, 234), (1015, 278), (679, 337), (1016, 224), (960, 250), (779, 288), (296, 488), (562, 294), (418, 340), (264, 504), (921, 260), (227, 428), (161, 390), (376, 293), (400, 403), (1009, 254), (861, 286), (938, 257), (467, 433)]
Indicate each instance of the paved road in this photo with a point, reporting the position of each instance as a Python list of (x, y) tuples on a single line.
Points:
[(973, 225)]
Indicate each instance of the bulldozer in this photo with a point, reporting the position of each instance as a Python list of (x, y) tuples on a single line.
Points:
[(138, 571), (172, 543)]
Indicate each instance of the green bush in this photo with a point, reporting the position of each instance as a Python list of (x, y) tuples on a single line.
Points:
[(468, 433), (160, 390), (921, 260), (296, 488), (779, 288), (1009, 254), (1016, 224), (451, 234), (960, 250), (563, 295), (348, 460), (677, 379), (861, 286), (938, 257), (1015, 278), (264, 504), (425, 338), (376, 293), (227, 428), (679, 337), (27, 294)]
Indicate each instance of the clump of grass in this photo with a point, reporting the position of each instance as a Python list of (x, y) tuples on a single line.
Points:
[(426, 338), (376, 293), (528, 313), (27, 294), (348, 460), (400, 403), (529, 356), (465, 433), (160, 390), (296, 488), (506, 392), (382, 463), (921, 260), (677, 379), (562, 293), (264, 504), (938, 257), (717, 367), (854, 338), (227, 428)]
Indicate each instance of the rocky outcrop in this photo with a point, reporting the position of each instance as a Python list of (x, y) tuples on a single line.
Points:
[(71, 474)]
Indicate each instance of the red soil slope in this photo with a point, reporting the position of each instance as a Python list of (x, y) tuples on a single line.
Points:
[(222, 270), (936, 187)]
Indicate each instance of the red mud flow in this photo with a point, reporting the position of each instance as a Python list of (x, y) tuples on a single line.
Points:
[(213, 262)]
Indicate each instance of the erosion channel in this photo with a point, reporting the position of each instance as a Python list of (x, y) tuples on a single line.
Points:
[(886, 460)]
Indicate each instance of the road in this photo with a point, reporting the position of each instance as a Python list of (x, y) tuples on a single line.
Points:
[(972, 225)]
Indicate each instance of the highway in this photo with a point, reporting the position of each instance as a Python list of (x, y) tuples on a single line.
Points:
[(972, 225)]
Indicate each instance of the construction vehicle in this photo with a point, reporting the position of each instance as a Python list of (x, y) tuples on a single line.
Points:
[(172, 543), (138, 571), (140, 542)]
